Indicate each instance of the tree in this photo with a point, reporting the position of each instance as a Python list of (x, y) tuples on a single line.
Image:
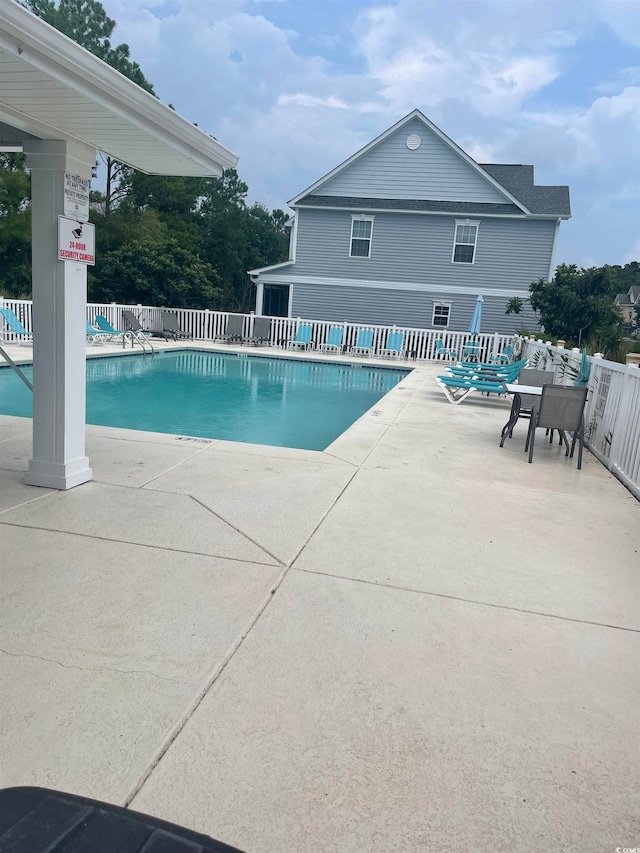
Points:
[(577, 305), (224, 228), (15, 226), (87, 23), (515, 305), (157, 272)]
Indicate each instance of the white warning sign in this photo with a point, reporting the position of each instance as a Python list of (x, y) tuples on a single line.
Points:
[(76, 196), (76, 241)]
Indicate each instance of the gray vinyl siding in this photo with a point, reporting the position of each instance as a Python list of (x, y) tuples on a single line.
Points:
[(391, 170), (417, 249), (409, 308)]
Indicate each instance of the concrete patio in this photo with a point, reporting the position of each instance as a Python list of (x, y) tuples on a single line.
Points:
[(414, 641)]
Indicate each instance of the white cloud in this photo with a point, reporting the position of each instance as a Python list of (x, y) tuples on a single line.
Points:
[(311, 101), (493, 76)]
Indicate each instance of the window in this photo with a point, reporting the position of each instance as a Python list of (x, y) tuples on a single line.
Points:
[(464, 244), (361, 231), (440, 314)]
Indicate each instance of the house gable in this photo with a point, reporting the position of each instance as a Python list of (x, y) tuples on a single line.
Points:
[(413, 161)]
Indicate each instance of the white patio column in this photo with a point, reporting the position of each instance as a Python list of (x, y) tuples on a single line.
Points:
[(59, 317), (259, 298)]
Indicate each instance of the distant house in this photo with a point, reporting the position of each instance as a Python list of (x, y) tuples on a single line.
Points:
[(409, 231), (627, 304)]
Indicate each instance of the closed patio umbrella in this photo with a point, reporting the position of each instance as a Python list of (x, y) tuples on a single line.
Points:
[(582, 377), (476, 320)]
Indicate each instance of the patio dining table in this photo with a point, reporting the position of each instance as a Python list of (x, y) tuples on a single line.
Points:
[(516, 390)]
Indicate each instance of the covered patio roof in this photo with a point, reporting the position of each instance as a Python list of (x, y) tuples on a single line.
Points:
[(51, 88)]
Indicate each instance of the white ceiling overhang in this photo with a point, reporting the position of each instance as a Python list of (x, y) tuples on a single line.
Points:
[(52, 88)]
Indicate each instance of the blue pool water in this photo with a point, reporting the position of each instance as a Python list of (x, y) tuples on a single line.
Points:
[(281, 402)]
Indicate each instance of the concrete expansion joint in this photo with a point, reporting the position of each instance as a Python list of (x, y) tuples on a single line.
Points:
[(237, 529), (97, 668), (149, 545), (210, 681), (475, 601), (323, 517), (172, 468)]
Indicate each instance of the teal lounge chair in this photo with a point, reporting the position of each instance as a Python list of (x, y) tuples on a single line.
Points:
[(443, 352), (504, 372), (334, 340), (457, 388), (95, 336), (105, 326), (363, 344), (15, 326), (395, 346), (302, 338)]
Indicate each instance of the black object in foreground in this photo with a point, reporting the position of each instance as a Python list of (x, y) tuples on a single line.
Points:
[(37, 820)]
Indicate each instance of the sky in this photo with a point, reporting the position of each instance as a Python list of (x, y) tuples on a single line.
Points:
[(295, 87)]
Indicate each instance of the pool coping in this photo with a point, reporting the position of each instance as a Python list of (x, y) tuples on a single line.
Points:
[(375, 362)]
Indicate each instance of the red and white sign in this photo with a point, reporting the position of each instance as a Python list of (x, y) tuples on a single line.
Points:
[(76, 241)]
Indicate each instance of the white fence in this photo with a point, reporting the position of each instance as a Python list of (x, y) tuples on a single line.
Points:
[(612, 414), (205, 325), (613, 405)]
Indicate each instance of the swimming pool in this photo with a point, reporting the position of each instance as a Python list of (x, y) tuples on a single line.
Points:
[(275, 401)]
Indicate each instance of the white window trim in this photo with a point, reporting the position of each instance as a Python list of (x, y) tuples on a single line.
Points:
[(475, 248), (433, 314), (360, 217)]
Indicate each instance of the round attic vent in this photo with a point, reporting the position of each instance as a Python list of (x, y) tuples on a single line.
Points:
[(413, 142)]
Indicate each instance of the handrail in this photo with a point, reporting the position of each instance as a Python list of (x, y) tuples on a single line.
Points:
[(137, 338), (12, 364)]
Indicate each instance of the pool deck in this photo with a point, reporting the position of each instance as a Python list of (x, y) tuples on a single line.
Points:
[(413, 641)]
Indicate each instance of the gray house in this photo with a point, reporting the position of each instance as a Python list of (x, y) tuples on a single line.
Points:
[(627, 303), (409, 231)]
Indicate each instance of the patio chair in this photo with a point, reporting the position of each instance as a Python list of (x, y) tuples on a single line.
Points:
[(334, 340), (15, 326), (234, 329), (302, 338), (132, 324), (561, 407), (503, 357), (443, 352), (471, 351), (523, 404), (261, 332), (363, 344), (171, 325), (95, 336), (457, 388), (394, 347), (105, 326)]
